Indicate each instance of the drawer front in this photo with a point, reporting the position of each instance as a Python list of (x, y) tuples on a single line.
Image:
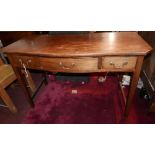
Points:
[(70, 64), (58, 64), (119, 63), (27, 61)]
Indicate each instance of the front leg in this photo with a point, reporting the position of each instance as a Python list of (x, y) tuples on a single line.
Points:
[(22, 82), (133, 84)]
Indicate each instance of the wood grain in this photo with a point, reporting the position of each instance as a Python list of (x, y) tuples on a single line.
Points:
[(96, 44)]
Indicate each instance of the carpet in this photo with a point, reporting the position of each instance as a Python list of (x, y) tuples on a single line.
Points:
[(66, 102)]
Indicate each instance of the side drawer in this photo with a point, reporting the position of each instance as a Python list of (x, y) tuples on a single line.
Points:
[(28, 61), (119, 62)]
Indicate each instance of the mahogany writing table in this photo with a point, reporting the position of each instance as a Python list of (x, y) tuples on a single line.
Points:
[(80, 53)]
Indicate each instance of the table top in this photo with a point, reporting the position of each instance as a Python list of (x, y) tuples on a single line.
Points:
[(96, 44)]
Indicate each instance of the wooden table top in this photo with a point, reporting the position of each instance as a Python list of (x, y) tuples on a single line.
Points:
[(96, 44)]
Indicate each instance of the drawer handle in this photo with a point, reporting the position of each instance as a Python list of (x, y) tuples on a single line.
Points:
[(118, 66), (66, 67), (24, 67)]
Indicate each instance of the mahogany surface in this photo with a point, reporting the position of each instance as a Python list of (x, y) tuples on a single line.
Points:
[(96, 44)]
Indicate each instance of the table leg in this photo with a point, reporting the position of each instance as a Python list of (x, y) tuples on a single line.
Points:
[(21, 80), (133, 84)]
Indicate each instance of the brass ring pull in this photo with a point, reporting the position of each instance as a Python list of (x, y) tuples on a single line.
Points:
[(118, 66), (66, 67)]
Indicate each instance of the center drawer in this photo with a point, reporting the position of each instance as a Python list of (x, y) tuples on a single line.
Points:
[(70, 64), (85, 64)]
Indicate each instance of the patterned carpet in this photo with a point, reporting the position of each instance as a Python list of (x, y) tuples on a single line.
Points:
[(63, 102), (75, 102)]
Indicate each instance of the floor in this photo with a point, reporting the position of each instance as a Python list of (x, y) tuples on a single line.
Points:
[(77, 103)]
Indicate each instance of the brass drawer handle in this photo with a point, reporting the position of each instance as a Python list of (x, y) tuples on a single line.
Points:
[(66, 67), (28, 61), (24, 67), (118, 66)]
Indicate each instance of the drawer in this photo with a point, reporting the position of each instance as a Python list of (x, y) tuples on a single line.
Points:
[(70, 64), (119, 62), (78, 65), (28, 61)]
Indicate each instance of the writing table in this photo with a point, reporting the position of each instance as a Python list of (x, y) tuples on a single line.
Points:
[(80, 53)]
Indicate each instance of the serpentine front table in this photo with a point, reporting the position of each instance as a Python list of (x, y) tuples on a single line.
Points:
[(80, 53)]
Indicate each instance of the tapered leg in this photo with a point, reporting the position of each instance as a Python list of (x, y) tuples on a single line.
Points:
[(7, 100), (133, 84), (21, 80)]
